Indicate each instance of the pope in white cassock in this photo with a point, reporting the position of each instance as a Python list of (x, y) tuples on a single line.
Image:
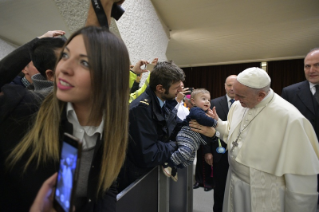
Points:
[(272, 151)]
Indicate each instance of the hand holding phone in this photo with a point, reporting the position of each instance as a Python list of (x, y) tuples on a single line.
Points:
[(189, 90), (68, 173)]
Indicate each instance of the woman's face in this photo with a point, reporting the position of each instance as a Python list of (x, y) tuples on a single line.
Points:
[(73, 77)]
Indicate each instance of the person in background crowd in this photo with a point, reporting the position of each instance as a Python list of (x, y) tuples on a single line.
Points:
[(24, 78), (305, 95)]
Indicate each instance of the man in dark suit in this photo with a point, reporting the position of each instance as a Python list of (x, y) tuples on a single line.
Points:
[(220, 160), (305, 95)]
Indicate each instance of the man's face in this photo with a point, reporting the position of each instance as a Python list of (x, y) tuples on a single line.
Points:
[(229, 86), (30, 69), (246, 96), (173, 91), (311, 67)]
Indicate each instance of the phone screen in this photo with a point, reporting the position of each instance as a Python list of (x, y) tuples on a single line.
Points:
[(66, 173), (150, 67)]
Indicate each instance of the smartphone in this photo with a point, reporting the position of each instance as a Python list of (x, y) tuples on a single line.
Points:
[(150, 67), (190, 90), (68, 173)]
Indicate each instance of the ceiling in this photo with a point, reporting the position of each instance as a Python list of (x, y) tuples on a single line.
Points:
[(206, 32), (202, 32), (23, 20)]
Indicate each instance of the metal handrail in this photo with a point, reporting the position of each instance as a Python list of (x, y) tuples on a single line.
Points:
[(132, 185)]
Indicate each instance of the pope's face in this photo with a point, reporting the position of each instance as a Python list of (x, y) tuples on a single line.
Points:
[(311, 67), (246, 96)]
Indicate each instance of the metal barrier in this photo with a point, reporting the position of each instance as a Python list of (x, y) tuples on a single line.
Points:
[(156, 192)]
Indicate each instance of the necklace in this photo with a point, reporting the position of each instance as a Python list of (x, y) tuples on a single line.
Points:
[(235, 143)]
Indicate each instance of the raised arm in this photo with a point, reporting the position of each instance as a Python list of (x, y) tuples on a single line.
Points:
[(13, 63)]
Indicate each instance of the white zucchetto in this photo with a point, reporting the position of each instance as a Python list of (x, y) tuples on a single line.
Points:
[(254, 78)]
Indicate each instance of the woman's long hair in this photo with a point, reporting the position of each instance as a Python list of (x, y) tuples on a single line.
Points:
[(109, 62)]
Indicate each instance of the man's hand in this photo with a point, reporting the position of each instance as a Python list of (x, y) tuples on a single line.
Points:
[(207, 131), (209, 159), (154, 61), (137, 68), (181, 95), (52, 34)]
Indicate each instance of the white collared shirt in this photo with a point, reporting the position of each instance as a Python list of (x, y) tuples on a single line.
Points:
[(228, 101), (87, 134), (312, 88), (160, 102), (182, 111)]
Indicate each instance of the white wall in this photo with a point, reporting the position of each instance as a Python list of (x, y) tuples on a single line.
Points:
[(142, 32), (139, 27), (5, 48)]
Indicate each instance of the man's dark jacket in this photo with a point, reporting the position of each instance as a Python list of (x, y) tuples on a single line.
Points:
[(220, 161), (300, 96), (151, 136)]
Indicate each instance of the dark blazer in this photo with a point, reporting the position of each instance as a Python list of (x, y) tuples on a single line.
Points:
[(221, 106), (220, 161), (300, 96)]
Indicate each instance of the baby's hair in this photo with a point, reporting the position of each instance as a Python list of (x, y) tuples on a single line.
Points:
[(199, 91)]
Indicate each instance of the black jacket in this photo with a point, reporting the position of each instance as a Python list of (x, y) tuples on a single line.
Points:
[(222, 110), (300, 96), (152, 136)]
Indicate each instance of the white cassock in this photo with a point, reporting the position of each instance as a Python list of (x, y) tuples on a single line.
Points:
[(182, 111), (275, 165)]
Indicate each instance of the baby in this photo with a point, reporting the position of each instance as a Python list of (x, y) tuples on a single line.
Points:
[(187, 140)]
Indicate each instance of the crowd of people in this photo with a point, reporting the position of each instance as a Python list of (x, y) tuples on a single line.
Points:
[(262, 148)]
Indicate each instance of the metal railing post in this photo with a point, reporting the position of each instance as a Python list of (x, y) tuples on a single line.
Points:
[(163, 191)]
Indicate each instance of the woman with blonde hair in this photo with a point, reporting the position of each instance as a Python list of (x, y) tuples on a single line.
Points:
[(90, 101)]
